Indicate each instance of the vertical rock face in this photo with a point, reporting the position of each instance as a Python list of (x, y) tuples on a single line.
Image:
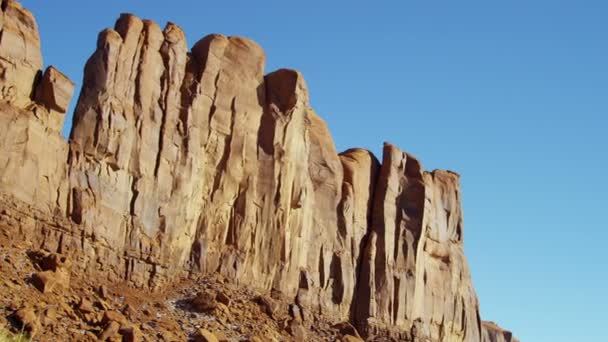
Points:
[(414, 271), (32, 152), (20, 57), (188, 161)]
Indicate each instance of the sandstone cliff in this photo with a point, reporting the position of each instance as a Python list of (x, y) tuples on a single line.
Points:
[(193, 161)]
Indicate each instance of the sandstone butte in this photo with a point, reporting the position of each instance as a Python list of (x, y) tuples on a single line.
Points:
[(189, 161)]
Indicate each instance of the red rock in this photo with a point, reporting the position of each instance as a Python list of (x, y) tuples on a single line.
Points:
[(204, 301), (297, 331), (195, 162), (203, 335), (55, 90), (490, 332), (223, 298), (55, 262), (346, 328), (110, 331), (47, 281), (267, 305), (113, 316), (28, 320), (350, 338), (130, 334)]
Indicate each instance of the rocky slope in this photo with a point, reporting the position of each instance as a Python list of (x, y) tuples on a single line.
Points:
[(187, 162)]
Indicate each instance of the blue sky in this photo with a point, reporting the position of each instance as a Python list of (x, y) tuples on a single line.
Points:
[(513, 95)]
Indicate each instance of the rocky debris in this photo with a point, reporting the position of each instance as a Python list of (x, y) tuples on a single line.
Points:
[(55, 273), (169, 316), (85, 306), (102, 291), (193, 161), (47, 281), (54, 262), (114, 324), (297, 331), (203, 335), (49, 316), (350, 338), (113, 316), (221, 337), (268, 305), (28, 321), (346, 328), (221, 297), (130, 334), (110, 331), (204, 301), (129, 311), (295, 312)]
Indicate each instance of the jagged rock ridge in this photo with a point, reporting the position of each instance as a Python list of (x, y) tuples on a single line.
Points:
[(186, 161)]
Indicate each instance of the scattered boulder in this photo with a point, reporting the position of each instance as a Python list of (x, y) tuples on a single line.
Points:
[(346, 328), (85, 306), (129, 311), (28, 320), (222, 313), (103, 292), (203, 335), (113, 316), (110, 331), (267, 305), (47, 281), (67, 310), (54, 262), (223, 298), (297, 331), (50, 316), (204, 301), (130, 334), (55, 273)]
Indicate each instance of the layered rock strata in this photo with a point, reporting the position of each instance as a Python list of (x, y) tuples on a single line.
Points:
[(184, 161)]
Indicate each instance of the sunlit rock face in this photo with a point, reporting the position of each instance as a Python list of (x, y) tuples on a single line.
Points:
[(193, 160)]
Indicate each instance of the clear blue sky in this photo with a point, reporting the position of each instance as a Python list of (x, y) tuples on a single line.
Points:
[(513, 95)]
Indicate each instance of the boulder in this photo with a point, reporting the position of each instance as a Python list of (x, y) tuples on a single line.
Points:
[(204, 301), (47, 281), (27, 318), (203, 335), (55, 90)]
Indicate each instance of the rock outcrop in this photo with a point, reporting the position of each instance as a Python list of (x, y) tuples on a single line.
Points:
[(33, 153), (490, 332), (191, 161)]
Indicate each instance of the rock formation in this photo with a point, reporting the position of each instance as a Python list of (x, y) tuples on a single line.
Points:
[(490, 332), (193, 161)]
